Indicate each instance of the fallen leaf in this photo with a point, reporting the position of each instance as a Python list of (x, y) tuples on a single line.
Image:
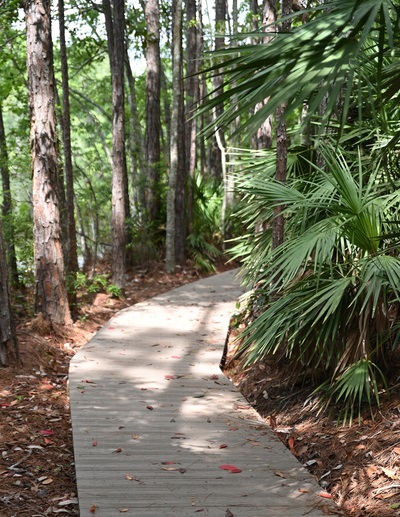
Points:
[(93, 508), (94, 444), (228, 513), (223, 446), (199, 396), (182, 471), (117, 450), (280, 473), (47, 481), (199, 510), (128, 477), (169, 468), (150, 407), (175, 356), (231, 468), (123, 510), (389, 473), (136, 436), (304, 490), (169, 377), (47, 432), (325, 495), (396, 450), (168, 463)]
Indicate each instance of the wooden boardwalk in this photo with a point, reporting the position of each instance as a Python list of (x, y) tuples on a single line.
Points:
[(154, 419)]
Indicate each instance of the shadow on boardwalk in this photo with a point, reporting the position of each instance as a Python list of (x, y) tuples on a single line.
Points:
[(154, 418)]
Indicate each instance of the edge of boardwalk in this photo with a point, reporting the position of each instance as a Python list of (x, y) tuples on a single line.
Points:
[(154, 419)]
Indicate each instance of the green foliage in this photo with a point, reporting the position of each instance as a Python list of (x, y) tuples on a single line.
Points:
[(96, 284), (325, 298), (204, 243)]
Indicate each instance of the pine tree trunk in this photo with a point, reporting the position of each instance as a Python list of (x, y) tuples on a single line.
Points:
[(282, 144), (115, 36), (8, 337), (51, 296), (7, 210), (192, 98), (71, 263), (153, 110), (172, 226)]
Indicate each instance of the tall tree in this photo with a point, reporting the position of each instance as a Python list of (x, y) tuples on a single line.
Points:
[(282, 144), (175, 197), (153, 110), (51, 296), (8, 337), (217, 160), (71, 255), (192, 97), (115, 22), (7, 210)]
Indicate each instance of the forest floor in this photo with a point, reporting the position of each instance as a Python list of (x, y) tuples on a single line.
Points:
[(359, 465)]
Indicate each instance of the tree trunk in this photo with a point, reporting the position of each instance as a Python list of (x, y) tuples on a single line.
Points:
[(264, 133), (8, 337), (7, 210), (282, 144), (71, 264), (153, 110), (115, 35), (192, 98), (175, 148), (136, 145), (217, 159), (51, 296)]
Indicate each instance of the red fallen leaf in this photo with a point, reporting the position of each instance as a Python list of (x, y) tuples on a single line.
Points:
[(4, 404), (223, 446), (88, 382), (231, 468), (94, 444), (241, 406), (169, 377), (47, 432), (175, 356), (325, 495), (291, 442), (143, 389), (111, 328), (118, 450), (150, 407), (48, 442), (93, 508), (168, 463)]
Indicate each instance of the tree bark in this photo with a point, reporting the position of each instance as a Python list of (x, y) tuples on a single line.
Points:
[(175, 145), (7, 210), (71, 263), (192, 98), (51, 296), (115, 24), (218, 146), (282, 144), (8, 337), (264, 133), (153, 110)]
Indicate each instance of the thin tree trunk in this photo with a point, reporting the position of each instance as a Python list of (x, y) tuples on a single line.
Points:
[(7, 210), (153, 110), (264, 133), (115, 36), (217, 149), (174, 145), (51, 296), (282, 144), (71, 254), (192, 98), (8, 337), (136, 144)]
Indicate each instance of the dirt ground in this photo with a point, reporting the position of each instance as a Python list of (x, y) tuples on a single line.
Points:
[(358, 466)]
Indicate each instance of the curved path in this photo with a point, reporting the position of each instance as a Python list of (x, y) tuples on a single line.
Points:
[(154, 418)]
